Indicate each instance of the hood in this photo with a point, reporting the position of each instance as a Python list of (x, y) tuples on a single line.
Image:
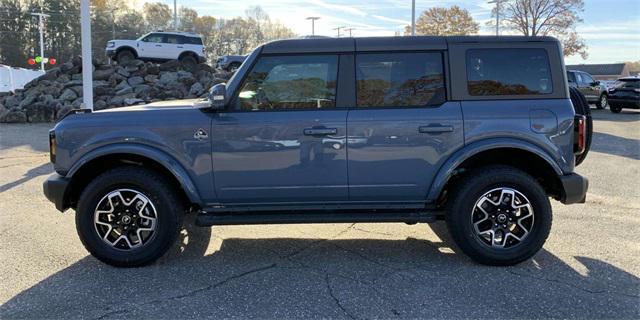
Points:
[(164, 105)]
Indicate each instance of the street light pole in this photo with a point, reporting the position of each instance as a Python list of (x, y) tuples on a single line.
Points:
[(338, 28), (41, 17), (313, 24), (175, 15), (413, 17), (87, 76)]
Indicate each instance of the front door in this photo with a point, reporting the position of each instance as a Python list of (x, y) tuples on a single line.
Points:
[(402, 129), (282, 137), (151, 46)]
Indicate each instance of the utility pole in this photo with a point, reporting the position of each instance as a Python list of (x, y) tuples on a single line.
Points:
[(498, 6), (41, 17), (349, 29), (175, 15), (413, 17), (338, 28), (313, 24), (87, 74)]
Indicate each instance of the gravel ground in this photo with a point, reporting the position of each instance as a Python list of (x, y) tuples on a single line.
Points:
[(589, 267)]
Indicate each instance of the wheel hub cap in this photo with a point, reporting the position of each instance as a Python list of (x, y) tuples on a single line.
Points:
[(125, 219), (502, 218)]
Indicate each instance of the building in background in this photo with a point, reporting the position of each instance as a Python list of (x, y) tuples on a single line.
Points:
[(612, 71), (12, 79)]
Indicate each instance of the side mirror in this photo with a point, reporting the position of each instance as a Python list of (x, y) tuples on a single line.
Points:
[(595, 83), (217, 96)]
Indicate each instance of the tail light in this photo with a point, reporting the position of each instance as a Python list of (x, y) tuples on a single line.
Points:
[(52, 146), (636, 90), (580, 134)]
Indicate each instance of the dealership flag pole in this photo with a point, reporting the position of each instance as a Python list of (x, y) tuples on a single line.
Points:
[(85, 29)]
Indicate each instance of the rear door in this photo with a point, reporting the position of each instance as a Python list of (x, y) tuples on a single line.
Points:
[(275, 143), (589, 87), (402, 128)]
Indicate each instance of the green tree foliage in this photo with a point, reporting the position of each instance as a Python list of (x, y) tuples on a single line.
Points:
[(19, 35), (453, 21)]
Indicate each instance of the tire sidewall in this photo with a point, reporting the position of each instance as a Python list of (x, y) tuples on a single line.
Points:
[(165, 225), (465, 234)]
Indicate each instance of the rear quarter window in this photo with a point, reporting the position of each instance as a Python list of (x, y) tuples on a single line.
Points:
[(499, 72)]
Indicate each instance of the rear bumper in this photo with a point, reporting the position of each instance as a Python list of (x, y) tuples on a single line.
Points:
[(574, 188), (55, 189)]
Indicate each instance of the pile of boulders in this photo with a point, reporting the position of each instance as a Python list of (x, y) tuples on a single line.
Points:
[(59, 90)]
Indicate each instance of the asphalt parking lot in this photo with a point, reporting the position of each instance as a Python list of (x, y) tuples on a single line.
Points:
[(589, 267)]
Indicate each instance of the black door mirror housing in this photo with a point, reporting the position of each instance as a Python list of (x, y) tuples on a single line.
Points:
[(217, 96)]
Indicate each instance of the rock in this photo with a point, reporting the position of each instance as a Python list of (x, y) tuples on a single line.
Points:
[(153, 69), (196, 89), (68, 95), (205, 67), (100, 83), (30, 99), (99, 105), (171, 65), (124, 91), (103, 74), (11, 101), (3, 112), (132, 101), (77, 103), (76, 76), (15, 116), (150, 78), (141, 88), (168, 77), (76, 61), (134, 81), (119, 100), (72, 83), (63, 111), (39, 112), (66, 66), (63, 78), (104, 91), (123, 84), (121, 71)]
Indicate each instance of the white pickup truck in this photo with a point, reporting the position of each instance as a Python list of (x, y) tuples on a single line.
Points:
[(159, 46)]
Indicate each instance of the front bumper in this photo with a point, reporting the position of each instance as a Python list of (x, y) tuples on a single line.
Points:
[(55, 189), (574, 188), (111, 52)]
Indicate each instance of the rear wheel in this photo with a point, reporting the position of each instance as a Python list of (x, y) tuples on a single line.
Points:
[(189, 62), (499, 216), (603, 102), (128, 216)]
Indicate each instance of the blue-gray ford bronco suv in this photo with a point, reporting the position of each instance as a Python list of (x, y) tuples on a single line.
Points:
[(477, 131)]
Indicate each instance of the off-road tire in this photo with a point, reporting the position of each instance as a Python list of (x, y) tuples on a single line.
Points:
[(125, 56), (600, 105), (189, 62), (463, 201), (169, 211)]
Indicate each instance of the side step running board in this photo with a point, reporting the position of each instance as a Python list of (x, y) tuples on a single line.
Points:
[(215, 219)]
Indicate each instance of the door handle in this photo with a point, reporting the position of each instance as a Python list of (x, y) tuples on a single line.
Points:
[(320, 131), (158, 45), (434, 129), (180, 47)]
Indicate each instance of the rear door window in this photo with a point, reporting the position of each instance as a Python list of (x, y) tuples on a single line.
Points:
[(399, 79), (155, 38), (499, 72)]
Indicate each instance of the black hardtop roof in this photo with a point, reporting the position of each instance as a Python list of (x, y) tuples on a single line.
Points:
[(386, 43)]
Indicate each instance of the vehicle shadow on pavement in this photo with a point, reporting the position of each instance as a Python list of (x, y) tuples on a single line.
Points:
[(328, 278), (40, 170), (614, 145)]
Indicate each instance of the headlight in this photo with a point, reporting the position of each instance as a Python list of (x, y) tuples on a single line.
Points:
[(52, 146), (111, 44)]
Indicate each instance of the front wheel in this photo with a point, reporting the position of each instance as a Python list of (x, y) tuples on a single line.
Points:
[(128, 216), (499, 216)]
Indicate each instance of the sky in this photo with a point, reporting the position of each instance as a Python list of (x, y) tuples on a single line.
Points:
[(611, 28)]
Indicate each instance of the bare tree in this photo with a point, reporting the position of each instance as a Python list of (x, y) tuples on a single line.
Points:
[(157, 15), (547, 18), (453, 21)]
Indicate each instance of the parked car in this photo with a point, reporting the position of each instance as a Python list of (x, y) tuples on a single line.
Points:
[(594, 91), (625, 94), (477, 131), (159, 46), (230, 62)]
